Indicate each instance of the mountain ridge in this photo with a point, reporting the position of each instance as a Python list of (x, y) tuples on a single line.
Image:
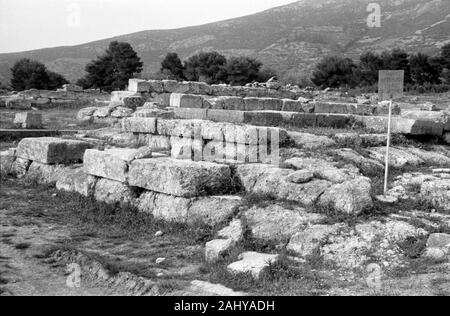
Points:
[(289, 38)]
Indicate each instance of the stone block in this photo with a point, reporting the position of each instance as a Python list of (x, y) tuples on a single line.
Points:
[(180, 177), (237, 117), (263, 104), (138, 85), (139, 125), (170, 86), (190, 113), (178, 100), (114, 192), (133, 102), (253, 263), (50, 150), (111, 164), (186, 148), (46, 174), (77, 181), (118, 96), (28, 120), (156, 86)]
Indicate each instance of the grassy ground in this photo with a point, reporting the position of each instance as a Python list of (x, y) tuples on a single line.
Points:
[(123, 240)]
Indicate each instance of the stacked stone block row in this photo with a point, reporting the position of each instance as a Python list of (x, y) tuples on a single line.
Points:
[(172, 190), (209, 141), (200, 88)]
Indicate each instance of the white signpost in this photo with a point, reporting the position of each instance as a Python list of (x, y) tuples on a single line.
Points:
[(390, 86)]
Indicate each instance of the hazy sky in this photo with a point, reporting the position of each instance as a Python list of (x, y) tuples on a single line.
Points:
[(32, 24)]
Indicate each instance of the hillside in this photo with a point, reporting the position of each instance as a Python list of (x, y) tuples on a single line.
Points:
[(287, 38)]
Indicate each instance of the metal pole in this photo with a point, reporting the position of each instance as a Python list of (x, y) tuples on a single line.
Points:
[(386, 174)]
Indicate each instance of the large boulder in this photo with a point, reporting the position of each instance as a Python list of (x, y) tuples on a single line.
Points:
[(46, 174)]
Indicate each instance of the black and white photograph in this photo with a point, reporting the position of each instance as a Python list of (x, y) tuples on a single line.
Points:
[(224, 156)]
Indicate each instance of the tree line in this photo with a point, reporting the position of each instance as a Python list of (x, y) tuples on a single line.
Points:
[(421, 70), (112, 70)]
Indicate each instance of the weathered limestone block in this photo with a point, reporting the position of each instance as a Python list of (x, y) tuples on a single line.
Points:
[(267, 179), (323, 169), (156, 86), (138, 85), (398, 157), (72, 88), (227, 103), (234, 231), (199, 88), (86, 114), (307, 241), (438, 246), (170, 86), (213, 210), (226, 116), (276, 223), (180, 177), (335, 108), (46, 174), (181, 128), (28, 120), (114, 192), (216, 249), (252, 262), (401, 125), (121, 112), (300, 176), (133, 102), (350, 197), (50, 150), (7, 158), (186, 148), (437, 193), (104, 111), (297, 106), (139, 125), (111, 164), (178, 100), (118, 96), (20, 167), (263, 104), (430, 157), (155, 142), (208, 210), (77, 181), (190, 113), (366, 165), (223, 90), (310, 141)]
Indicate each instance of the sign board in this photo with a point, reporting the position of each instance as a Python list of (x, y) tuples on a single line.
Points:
[(390, 84)]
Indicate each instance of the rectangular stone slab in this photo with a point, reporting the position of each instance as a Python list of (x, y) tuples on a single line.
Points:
[(145, 125), (110, 164), (180, 177), (50, 150)]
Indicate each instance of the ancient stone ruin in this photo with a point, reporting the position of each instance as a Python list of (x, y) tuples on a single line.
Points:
[(189, 152)]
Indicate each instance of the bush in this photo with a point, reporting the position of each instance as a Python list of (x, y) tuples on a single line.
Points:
[(30, 74)]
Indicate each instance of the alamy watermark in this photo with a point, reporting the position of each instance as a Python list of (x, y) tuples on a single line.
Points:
[(257, 145), (374, 18)]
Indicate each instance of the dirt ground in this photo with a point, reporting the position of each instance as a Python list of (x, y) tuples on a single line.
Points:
[(37, 220)]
